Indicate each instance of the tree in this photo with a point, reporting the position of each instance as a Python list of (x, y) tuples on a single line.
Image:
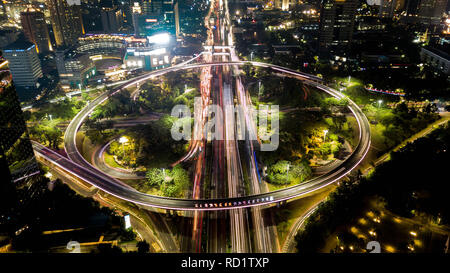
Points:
[(143, 247), (155, 177), (339, 121), (109, 249), (127, 235)]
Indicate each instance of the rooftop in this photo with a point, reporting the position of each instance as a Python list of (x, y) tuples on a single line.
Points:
[(19, 45), (438, 52)]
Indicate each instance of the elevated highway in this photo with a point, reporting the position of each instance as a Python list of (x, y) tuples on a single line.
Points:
[(76, 165)]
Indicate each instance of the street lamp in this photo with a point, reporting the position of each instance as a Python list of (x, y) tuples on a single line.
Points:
[(287, 171), (251, 56), (324, 134), (259, 89), (379, 103), (123, 140)]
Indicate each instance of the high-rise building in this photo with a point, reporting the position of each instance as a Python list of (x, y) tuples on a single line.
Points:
[(431, 11), (136, 12), (24, 63), (112, 19), (154, 16), (285, 4), (66, 20), (337, 19), (126, 13), (176, 14), (74, 68), (153, 7), (191, 17), (387, 8), (35, 29), (21, 177)]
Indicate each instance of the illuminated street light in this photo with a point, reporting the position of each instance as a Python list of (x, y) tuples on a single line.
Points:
[(123, 140), (287, 171), (259, 89), (251, 56), (324, 135), (379, 103)]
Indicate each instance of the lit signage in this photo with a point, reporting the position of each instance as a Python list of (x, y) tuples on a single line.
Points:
[(163, 38), (151, 20), (158, 51), (127, 221)]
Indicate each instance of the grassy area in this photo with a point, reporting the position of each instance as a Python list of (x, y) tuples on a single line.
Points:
[(378, 145), (109, 160), (87, 148), (274, 187), (139, 185), (352, 137)]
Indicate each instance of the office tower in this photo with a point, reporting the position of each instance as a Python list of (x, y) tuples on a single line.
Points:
[(21, 177), (411, 7), (154, 17), (285, 4), (74, 69), (152, 7), (337, 19), (35, 29), (3, 12), (136, 12), (112, 19), (24, 63), (176, 12), (66, 20), (400, 5), (387, 8), (169, 16), (431, 11), (126, 13)]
